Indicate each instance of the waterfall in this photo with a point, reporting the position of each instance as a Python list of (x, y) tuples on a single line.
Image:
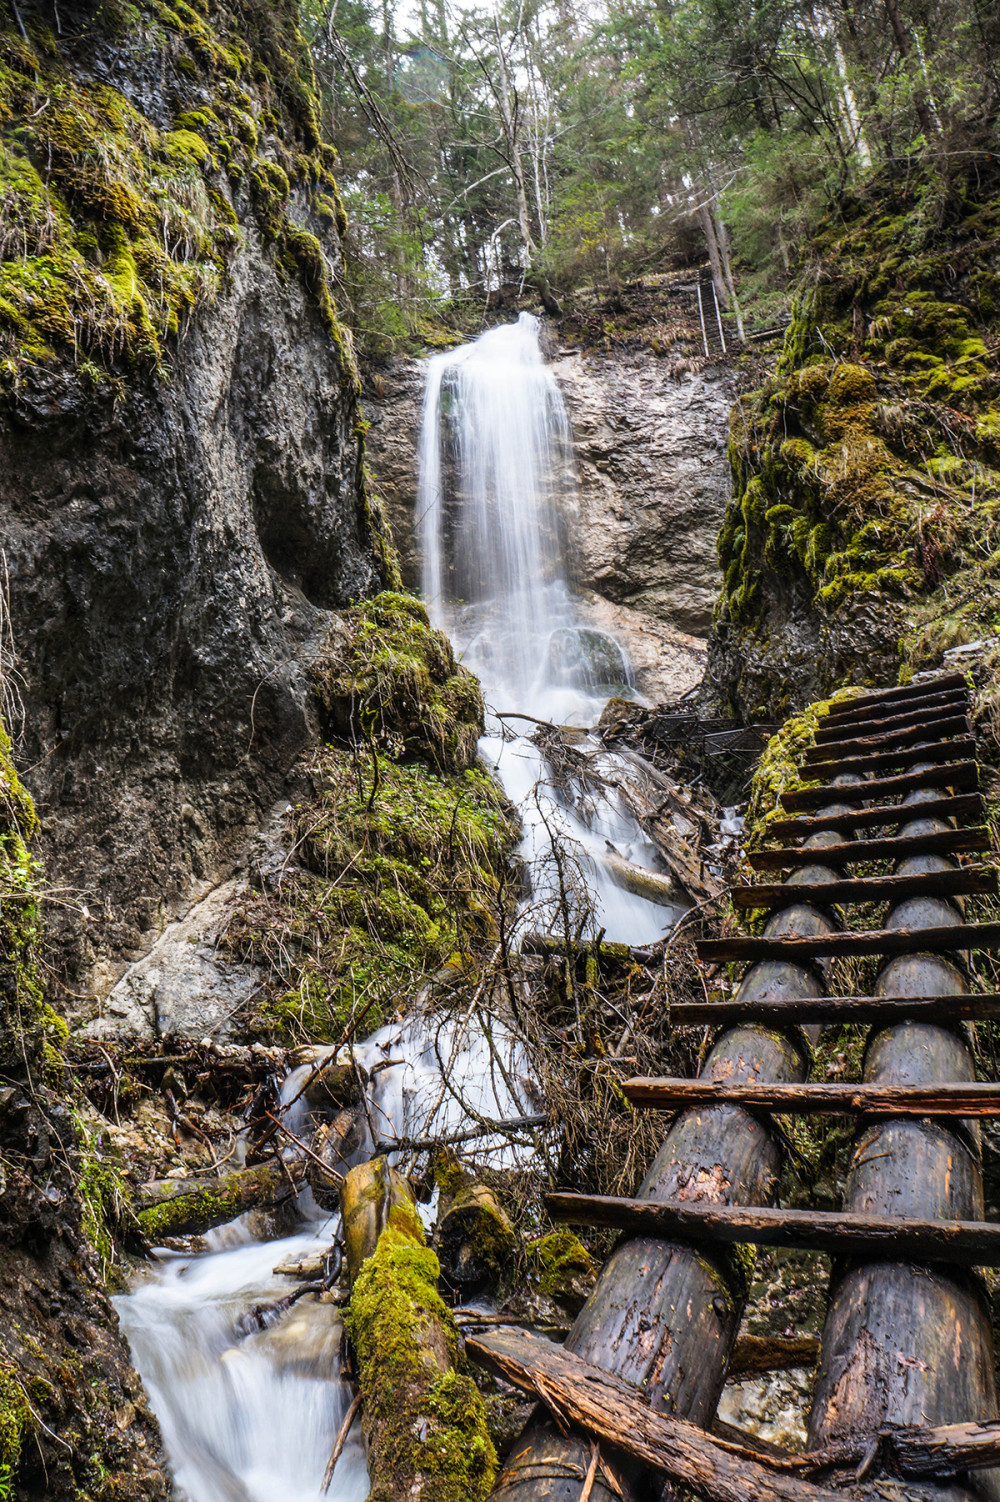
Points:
[(495, 459)]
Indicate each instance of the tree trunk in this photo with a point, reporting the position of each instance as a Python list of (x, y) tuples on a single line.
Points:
[(189, 1207)]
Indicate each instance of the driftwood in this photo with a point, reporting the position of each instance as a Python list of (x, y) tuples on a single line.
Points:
[(822, 1100), (369, 1196), (187, 1207), (613, 1412), (839, 1232)]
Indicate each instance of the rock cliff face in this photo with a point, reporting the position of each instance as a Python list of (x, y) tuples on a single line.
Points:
[(653, 483), (183, 499)]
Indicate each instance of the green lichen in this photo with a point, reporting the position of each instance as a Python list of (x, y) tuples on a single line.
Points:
[(425, 1420), (779, 769), (15, 1418), (563, 1267)]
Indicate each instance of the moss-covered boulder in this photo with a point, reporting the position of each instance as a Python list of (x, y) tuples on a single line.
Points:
[(391, 681), (564, 1269), (860, 540)]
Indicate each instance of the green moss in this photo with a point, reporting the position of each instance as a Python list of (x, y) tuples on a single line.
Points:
[(397, 685), (400, 873), (779, 770), (424, 1418), (15, 1420)]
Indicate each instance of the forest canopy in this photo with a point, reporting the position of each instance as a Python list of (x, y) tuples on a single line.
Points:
[(574, 144)]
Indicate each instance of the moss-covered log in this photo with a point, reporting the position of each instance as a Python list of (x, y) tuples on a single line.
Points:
[(424, 1419), (374, 1197), (475, 1240), (186, 1207)]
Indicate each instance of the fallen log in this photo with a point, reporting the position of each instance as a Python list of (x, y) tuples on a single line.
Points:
[(642, 883), (333, 1143), (188, 1207), (475, 1240), (973, 1243), (755, 1354), (374, 1197), (614, 1413)]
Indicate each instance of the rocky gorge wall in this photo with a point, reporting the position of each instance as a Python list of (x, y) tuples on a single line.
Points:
[(651, 487), (183, 501)]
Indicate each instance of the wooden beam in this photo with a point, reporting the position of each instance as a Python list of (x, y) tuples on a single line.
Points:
[(962, 938), (960, 881), (818, 1100), (884, 761), (836, 1232), (884, 848), (881, 815), (958, 775), (890, 740), (618, 1416), (878, 1010), (944, 682), (939, 705)]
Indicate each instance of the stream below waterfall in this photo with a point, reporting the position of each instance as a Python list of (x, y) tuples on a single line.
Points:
[(251, 1417)]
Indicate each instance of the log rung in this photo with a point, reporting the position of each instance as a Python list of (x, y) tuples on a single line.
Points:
[(933, 709), (969, 1099), (945, 682), (960, 775), (797, 1010), (890, 740), (884, 761), (840, 1233), (965, 805), (962, 938), (958, 882), (891, 847)]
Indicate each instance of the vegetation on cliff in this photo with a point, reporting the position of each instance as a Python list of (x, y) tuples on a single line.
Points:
[(398, 857), (115, 226), (867, 470)]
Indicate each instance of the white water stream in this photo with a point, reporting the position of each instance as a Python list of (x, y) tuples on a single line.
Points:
[(251, 1418)]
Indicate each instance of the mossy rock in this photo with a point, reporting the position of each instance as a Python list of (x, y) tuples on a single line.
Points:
[(564, 1268), (394, 683)]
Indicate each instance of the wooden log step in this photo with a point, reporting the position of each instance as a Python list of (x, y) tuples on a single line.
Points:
[(960, 881), (974, 1243), (936, 707), (963, 1099), (881, 696), (892, 739), (960, 939), (887, 848), (787, 1011), (884, 761), (873, 715), (964, 806), (960, 775)]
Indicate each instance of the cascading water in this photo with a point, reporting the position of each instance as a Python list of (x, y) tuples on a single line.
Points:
[(494, 454), (250, 1417)]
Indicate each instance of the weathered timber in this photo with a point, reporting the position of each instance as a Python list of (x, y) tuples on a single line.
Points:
[(945, 682), (963, 806), (963, 938), (947, 1099), (937, 707), (891, 847), (189, 1207), (616, 1415), (755, 1354), (885, 761), (475, 1241), (958, 881), (830, 1009), (945, 1449), (373, 1196), (839, 1233), (890, 740), (956, 775)]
